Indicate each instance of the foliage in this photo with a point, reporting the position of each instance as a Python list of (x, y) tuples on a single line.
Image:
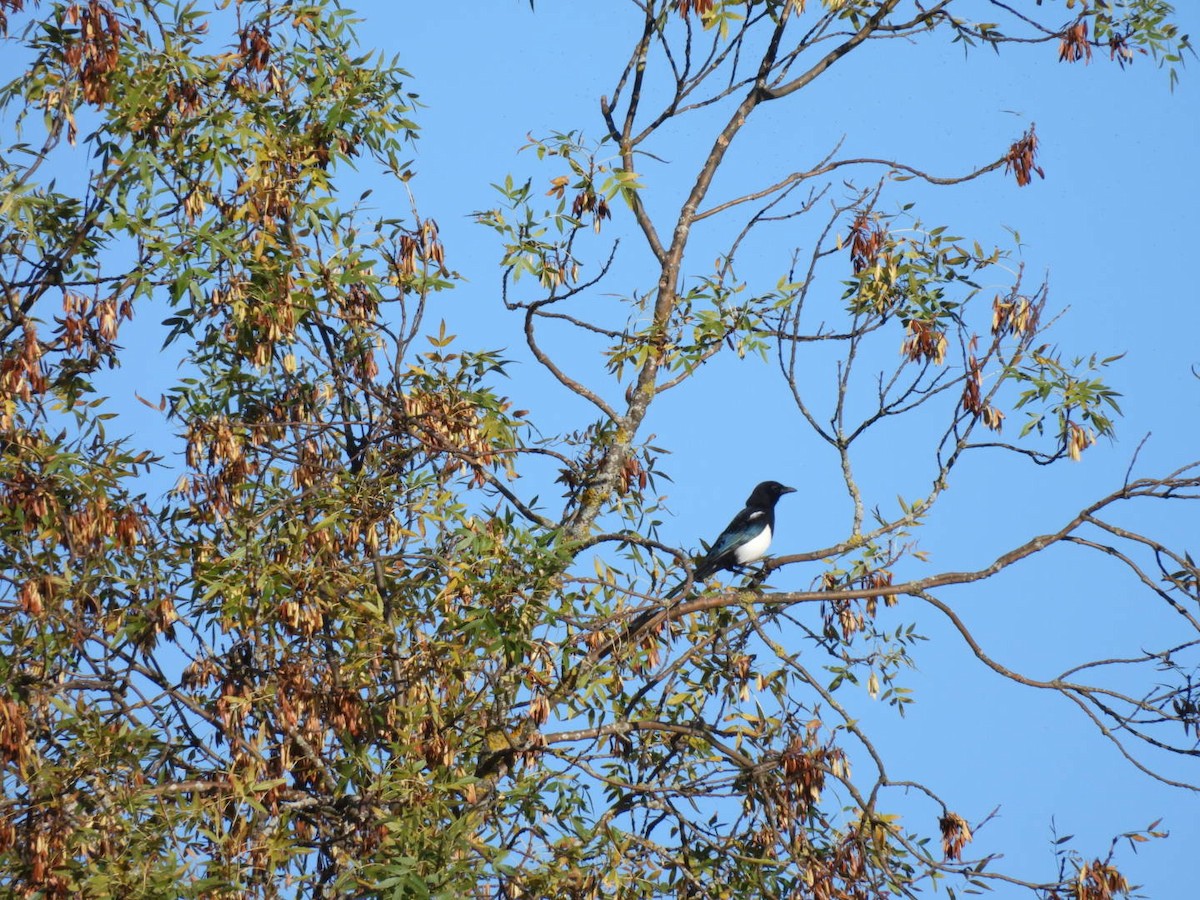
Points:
[(354, 651)]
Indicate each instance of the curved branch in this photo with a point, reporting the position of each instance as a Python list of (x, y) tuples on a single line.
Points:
[(826, 168)]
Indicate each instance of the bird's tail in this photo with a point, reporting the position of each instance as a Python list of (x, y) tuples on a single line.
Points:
[(634, 629), (700, 574), (677, 590)]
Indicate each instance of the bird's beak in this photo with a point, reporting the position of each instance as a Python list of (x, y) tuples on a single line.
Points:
[(788, 490)]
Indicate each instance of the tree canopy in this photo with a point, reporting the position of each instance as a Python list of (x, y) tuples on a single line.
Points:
[(369, 618)]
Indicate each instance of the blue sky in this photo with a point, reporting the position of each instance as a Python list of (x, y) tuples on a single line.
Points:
[(1110, 226)]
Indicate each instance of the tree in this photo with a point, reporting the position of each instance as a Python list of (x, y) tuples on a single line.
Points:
[(358, 649)]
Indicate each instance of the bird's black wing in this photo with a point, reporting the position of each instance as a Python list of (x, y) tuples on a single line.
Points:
[(746, 526)]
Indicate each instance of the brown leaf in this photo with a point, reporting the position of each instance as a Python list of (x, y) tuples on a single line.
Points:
[(1073, 44), (700, 7), (956, 834), (1021, 158)]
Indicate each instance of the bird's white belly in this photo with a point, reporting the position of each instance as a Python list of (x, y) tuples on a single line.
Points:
[(753, 549)]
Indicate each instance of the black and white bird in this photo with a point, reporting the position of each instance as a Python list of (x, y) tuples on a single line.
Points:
[(746, 538)]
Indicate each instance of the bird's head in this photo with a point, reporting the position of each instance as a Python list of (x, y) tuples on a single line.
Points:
[(766, 493)]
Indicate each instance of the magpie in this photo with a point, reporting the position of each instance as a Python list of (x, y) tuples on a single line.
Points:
[(744, 540), (748, 536)]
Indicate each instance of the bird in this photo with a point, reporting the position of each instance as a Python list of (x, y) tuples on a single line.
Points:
[(745, 540), (747, 537)]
